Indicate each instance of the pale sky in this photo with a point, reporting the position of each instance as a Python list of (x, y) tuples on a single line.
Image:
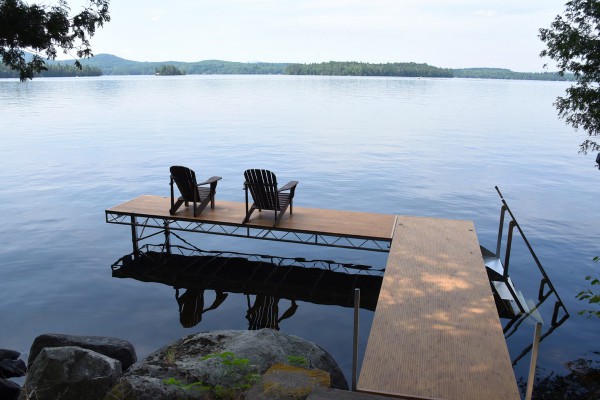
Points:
[(443, 33)]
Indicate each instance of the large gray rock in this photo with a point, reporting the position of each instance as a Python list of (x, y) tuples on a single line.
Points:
[(70, 373), (9, 390), (168, 373), (116, 348)]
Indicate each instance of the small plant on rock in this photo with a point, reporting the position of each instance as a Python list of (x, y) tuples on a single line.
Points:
[(298, 361), (238, 372)]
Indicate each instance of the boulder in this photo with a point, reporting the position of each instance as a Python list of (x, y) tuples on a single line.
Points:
[(116, 348), (219, 364), (12, 368), (9, 390), (70, 373), (9, 354)]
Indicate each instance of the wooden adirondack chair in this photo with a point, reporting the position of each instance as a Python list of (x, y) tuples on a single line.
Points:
[(262, 185), (191, 191)]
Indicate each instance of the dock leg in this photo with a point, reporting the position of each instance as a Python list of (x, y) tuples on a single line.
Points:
[(355, 338), (134, 238), (167, 237), (532, 364)]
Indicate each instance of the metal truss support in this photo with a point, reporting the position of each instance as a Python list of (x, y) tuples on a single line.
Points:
[(167, 225)]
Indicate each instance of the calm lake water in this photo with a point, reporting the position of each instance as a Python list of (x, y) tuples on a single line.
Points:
[(71, 148)]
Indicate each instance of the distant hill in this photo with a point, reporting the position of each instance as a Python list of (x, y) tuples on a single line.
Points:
[(108, 64), (113, 65)]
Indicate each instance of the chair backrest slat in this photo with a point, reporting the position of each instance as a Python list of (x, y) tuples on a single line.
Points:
[(263, 187), (185, 179)]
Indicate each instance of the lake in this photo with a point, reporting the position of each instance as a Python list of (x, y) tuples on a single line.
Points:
[(73, 147)]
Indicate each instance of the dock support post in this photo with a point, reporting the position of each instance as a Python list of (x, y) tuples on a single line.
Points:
[(167, 237), (134, 238), (355, 338), (532, 364)]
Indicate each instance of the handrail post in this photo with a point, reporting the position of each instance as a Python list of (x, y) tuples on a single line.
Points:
[(500, 229), (532, 364), (511, 227), (355, 338)]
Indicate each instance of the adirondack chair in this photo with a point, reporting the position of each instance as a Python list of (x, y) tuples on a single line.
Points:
[(262, 185), (191, 191)]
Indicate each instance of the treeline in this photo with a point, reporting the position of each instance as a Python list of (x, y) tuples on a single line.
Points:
[(55, 70), (417, 70), (500, 73), (217, 67), (107, 64), (366, 69)]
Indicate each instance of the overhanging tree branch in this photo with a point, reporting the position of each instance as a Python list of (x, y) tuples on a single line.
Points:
[(42, 29), (573, 41)]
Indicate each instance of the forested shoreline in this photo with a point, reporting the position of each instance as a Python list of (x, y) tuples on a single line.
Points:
[(106, 64), (55, 70)]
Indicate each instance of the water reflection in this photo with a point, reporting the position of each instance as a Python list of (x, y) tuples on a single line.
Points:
[(265, 280)]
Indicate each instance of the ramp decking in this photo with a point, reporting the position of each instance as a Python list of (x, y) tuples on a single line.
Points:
[(436, 332)]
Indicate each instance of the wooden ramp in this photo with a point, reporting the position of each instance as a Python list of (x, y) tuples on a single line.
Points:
[(436, 332)]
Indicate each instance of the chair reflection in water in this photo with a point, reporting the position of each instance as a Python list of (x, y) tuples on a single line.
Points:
[(265, 312), (191, 305)]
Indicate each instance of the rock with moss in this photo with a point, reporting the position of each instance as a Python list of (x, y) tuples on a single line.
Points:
[(220, 364)]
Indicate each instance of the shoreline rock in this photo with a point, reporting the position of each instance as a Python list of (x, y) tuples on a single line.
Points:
[(257, 364)]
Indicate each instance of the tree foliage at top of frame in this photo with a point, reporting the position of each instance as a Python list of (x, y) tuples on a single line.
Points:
[(45, 29), (573, 41)]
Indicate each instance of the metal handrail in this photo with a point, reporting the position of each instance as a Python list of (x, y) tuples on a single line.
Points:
[(514, 223)]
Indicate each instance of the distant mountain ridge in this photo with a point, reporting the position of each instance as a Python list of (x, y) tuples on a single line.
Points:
[(108, 64), (114, 65)]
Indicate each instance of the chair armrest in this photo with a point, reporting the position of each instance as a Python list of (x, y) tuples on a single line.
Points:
[(288, 186), (212, 179)]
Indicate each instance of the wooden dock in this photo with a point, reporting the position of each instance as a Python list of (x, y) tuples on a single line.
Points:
[(436, 332), (331, 228)]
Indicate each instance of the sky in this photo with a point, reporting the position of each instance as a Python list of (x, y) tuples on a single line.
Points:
[(442, 33)]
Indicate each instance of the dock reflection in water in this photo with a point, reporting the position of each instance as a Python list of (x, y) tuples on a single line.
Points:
[(265, 280)]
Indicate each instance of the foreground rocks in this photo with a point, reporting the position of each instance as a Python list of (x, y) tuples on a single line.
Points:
[(116, 348), (70, 373), (228, 363), (253, 365), (10, 367)]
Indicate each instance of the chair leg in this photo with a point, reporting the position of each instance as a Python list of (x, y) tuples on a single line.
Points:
[(198, 209), (175, 206), (248, 213)]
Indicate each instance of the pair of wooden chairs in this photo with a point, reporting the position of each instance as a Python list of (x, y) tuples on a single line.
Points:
[(261, 184)]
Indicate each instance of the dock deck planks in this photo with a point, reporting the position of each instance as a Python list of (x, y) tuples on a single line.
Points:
[(436, 332), (306, 220)]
